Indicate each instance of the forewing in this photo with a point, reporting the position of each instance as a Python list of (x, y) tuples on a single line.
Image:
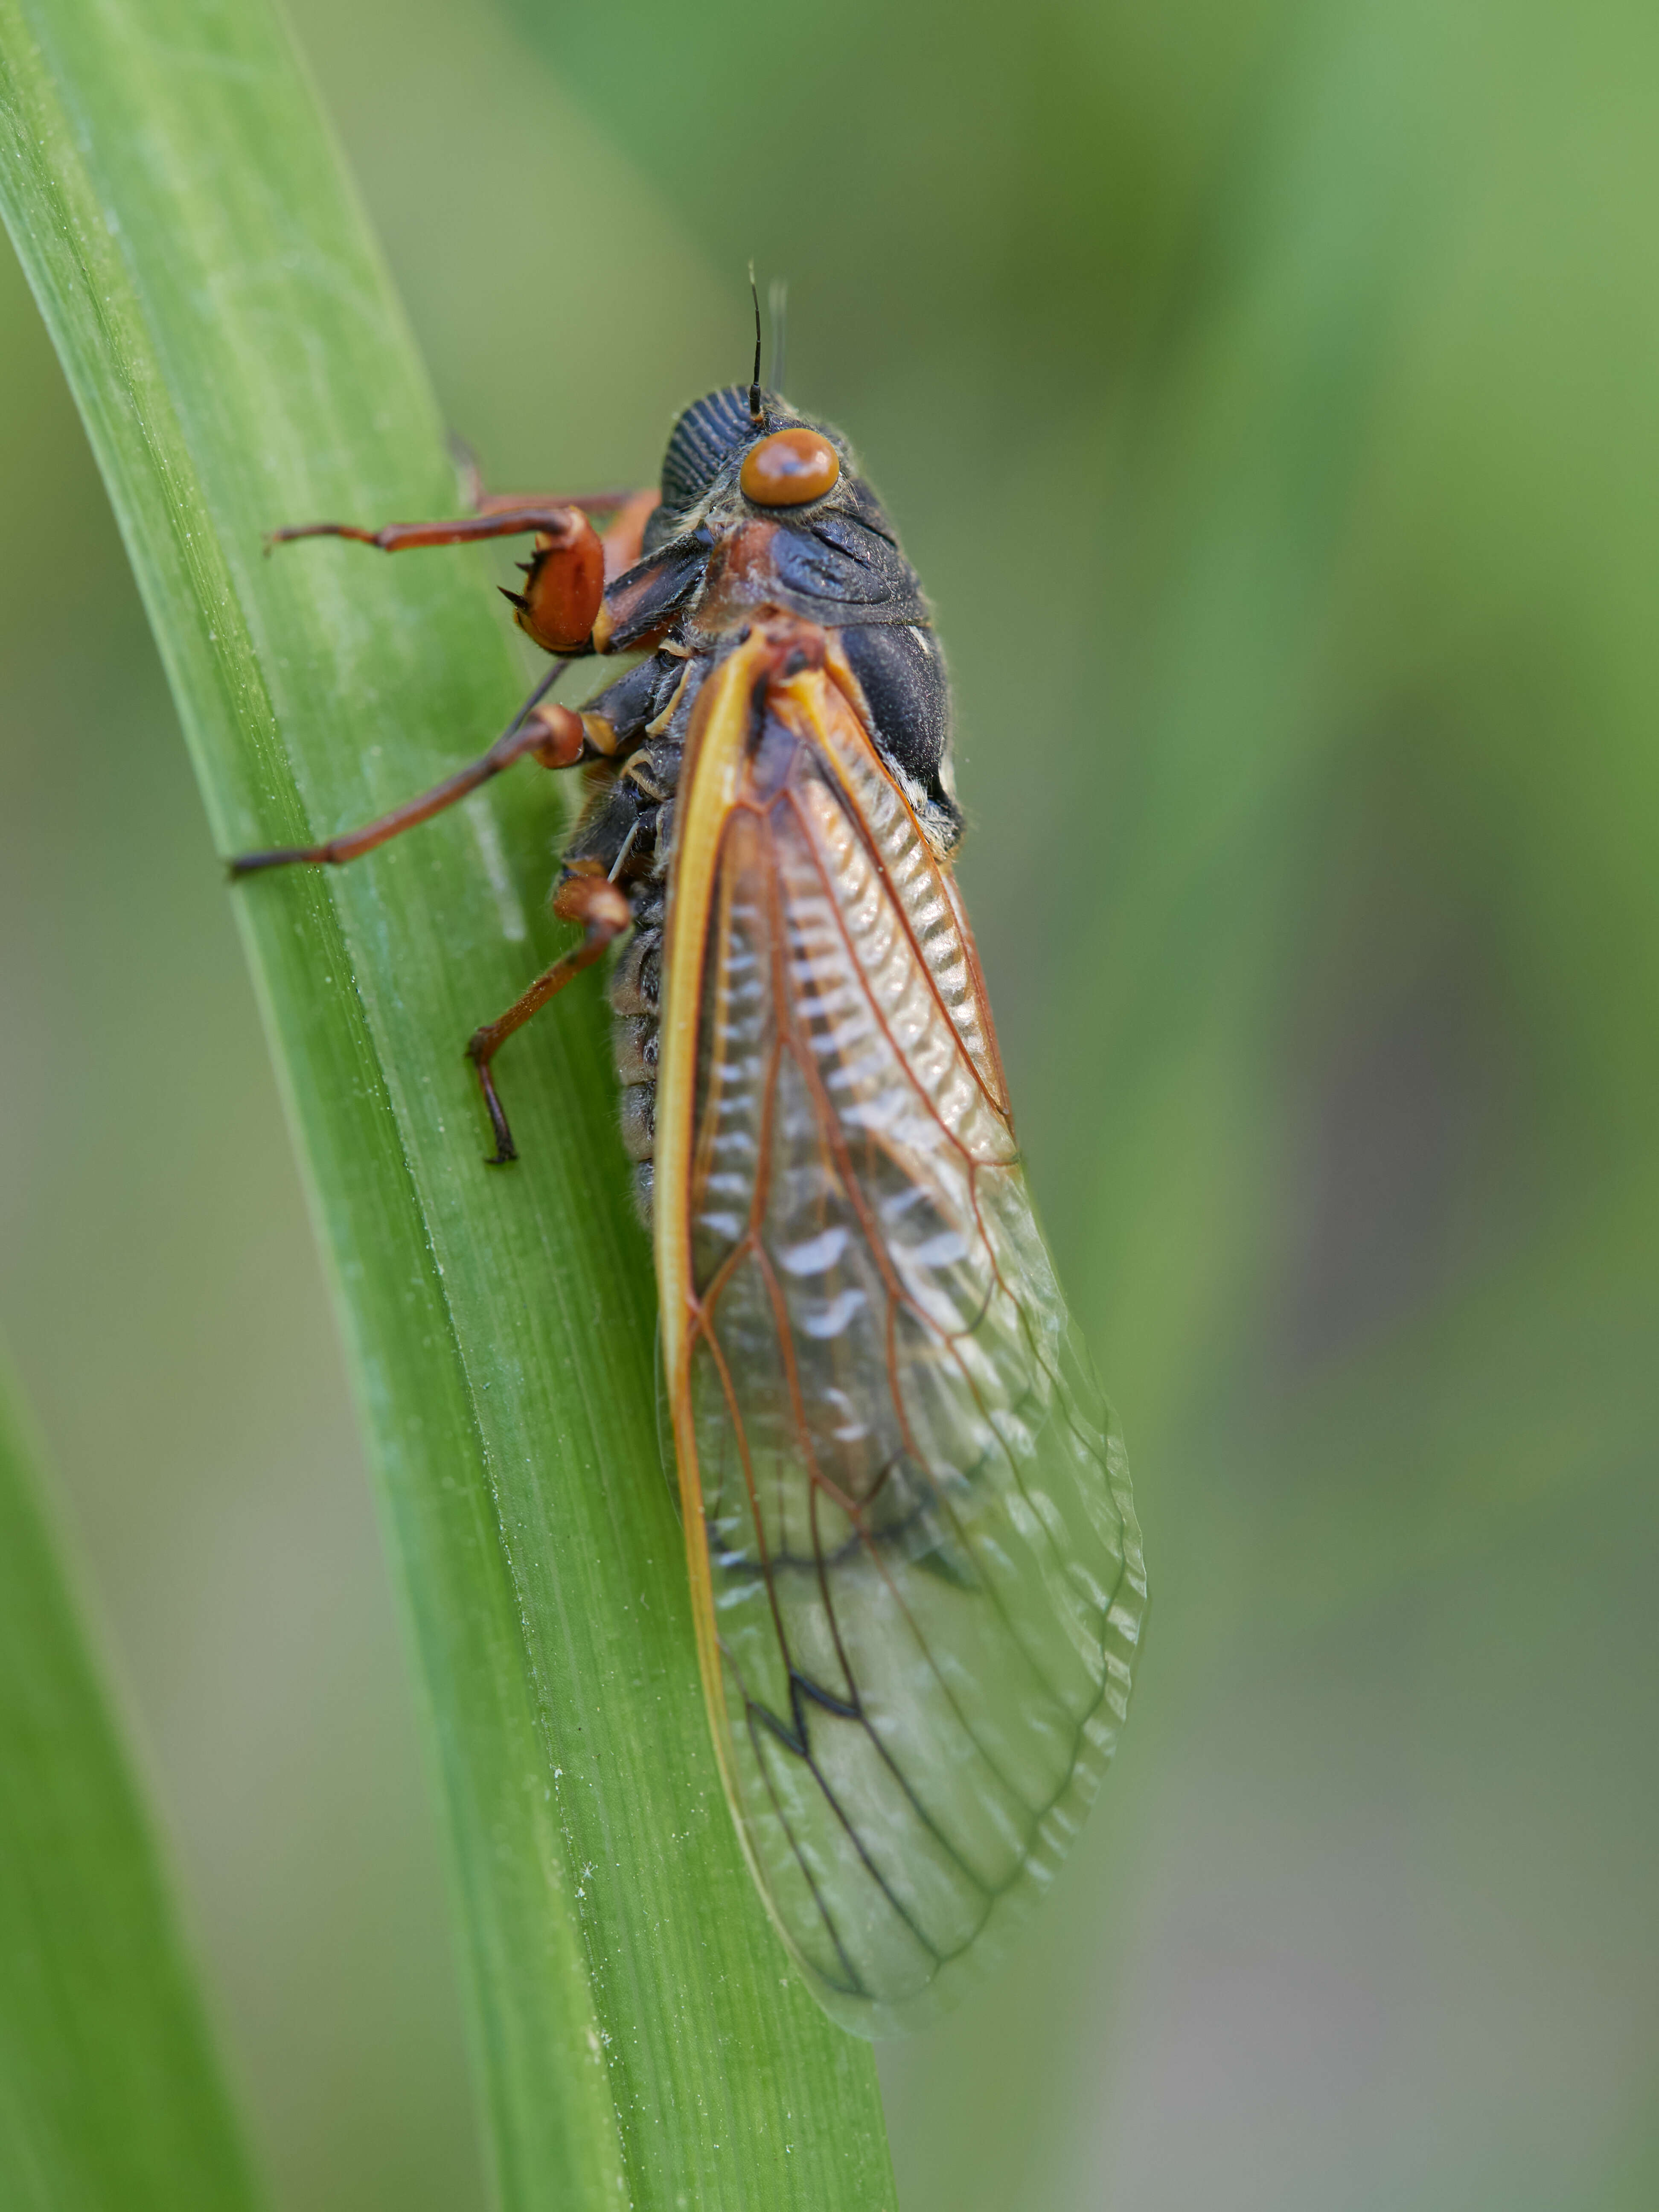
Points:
[(924, 1572)]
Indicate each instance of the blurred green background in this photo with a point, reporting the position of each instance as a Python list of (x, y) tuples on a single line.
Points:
[(1269, 395)]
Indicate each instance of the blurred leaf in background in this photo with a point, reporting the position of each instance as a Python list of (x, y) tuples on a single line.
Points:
[(1270, 397), (110, 2090)]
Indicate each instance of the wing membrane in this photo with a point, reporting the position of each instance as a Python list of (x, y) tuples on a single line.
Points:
[(919, 1571)]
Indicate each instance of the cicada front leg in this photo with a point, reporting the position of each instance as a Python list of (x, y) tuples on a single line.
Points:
[(623, 539), (564, 578), (566, 573), (564, 591)]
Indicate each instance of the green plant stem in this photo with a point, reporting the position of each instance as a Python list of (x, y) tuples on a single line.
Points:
[(241, 362), (110, 2093)]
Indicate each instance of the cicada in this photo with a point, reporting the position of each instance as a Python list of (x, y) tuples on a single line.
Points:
[(917, 1573)]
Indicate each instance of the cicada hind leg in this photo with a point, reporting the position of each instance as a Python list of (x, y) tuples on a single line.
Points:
[(563, 594), (604, 911)]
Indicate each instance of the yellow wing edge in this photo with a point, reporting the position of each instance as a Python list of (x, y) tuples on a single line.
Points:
[(709, 780), (717, 744)]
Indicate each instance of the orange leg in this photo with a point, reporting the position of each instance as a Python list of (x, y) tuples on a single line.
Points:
[(623, 542), (566, 575), (500, 519), (480, 501), (498, 514), (604, 913), (630, 510), (549, 734)]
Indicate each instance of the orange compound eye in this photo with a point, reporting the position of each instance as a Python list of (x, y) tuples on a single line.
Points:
[(789, 468)]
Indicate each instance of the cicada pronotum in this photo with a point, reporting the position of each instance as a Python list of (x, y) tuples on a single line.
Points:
[(917, 1575)]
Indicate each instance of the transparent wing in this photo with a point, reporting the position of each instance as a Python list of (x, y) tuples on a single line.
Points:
[(925, 1570)]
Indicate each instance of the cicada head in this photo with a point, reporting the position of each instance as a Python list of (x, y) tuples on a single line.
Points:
[(728, 460), (766, 511)]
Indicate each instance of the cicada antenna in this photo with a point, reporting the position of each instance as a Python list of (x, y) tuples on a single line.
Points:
[(756, 415), (777, 308)]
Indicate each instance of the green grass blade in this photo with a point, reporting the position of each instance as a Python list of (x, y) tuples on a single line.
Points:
[(240, 362), (110, 2093)]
